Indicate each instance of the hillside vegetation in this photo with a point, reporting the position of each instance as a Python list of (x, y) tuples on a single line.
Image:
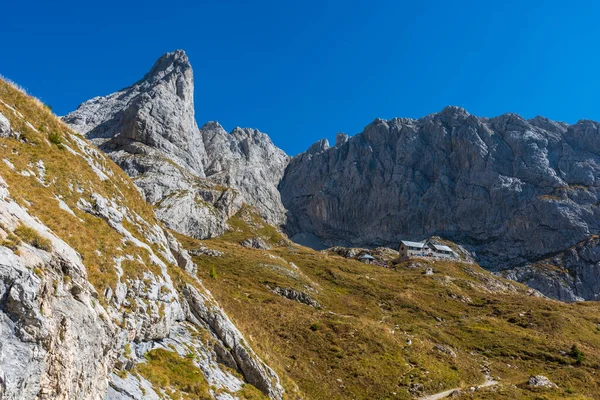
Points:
[(378, 333), (96, 297), (51, 170)]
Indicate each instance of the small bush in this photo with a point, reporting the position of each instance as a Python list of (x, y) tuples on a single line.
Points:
[(213, 272), (127, 350), (577, 355), (56, 139), (315, 327), (32, 237)]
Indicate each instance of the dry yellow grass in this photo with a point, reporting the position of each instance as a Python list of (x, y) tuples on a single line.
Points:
[(356, 344), (177, 376), (32, 237), (71, 178)]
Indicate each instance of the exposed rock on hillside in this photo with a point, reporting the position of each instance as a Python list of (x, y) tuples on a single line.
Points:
[(87, 273), (248, 161), (572, 275), (149, 130), (4, 126), (513, 190), (541, 381), (56, 340), (255, 243)]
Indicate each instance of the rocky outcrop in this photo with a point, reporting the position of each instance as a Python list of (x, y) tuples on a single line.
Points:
[(249, 162), (196, 178), (203, 308), (255, 243), (510, 189), (295, 295), (153, 116), (540, 381), (571, 275), (5, 129), (205, 251), (56, 341)]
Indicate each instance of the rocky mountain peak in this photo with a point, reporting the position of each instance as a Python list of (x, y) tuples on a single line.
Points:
[(452, 116), (212, 125), (154, 114), (453, 112), (341, 138), (318, 147), (150, 130), (174, 72), (168, 62)]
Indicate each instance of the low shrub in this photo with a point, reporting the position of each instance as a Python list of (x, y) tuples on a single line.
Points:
[(32, 237)]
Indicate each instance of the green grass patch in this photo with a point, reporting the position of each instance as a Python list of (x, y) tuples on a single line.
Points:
[(169, 371)]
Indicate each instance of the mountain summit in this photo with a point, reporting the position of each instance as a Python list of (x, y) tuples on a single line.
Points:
[(150, 131), (156, 114)]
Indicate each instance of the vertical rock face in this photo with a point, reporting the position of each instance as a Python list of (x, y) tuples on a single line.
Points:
[(571, 275), (513, 190), (153, 116), (248, 161), (150, 131)]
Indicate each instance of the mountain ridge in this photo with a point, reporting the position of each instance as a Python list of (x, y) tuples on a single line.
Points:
[(150, 130), (92, 285), (410, 172), (450, 173)]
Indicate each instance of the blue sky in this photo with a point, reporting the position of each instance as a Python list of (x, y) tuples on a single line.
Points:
[(301, 71)]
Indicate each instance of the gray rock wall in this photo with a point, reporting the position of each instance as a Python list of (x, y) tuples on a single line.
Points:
[(513, 190)]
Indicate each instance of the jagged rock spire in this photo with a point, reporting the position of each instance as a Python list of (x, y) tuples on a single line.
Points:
[(149, 129), (155, 113)]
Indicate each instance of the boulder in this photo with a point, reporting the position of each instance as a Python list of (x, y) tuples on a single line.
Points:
[(540, 381)]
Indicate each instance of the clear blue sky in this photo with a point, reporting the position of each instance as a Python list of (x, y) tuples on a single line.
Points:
[(304, 70)]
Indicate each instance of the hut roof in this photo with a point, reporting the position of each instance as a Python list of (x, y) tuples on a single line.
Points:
[(441, 247), (408, 243)]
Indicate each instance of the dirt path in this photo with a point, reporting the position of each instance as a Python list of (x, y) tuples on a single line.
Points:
[(487, 383)]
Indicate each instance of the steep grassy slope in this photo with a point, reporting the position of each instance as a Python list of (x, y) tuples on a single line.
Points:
[(383, 334), (95, 296), (50, 170)]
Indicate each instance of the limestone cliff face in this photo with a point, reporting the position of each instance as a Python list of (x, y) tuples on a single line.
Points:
[(513, 190), (571, 275), (248, 161), (153, 116), (150, 131)]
